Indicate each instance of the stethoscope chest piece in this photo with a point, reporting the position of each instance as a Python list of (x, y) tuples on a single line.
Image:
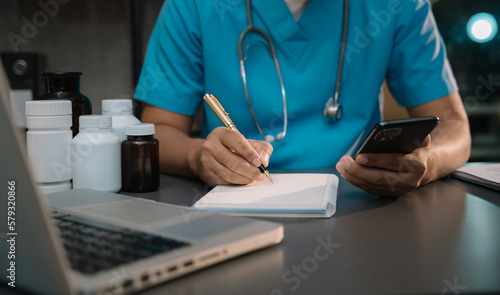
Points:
[(332, 112)]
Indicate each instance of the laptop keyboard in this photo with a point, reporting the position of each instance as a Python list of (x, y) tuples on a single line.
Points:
[(93, 246)]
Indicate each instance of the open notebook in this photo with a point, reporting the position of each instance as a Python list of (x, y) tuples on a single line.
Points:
[(486, 174), (291, 195)]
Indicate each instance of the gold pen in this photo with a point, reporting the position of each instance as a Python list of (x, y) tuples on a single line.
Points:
[(223, 116)]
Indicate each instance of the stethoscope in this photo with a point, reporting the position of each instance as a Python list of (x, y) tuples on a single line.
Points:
[(333, 110)]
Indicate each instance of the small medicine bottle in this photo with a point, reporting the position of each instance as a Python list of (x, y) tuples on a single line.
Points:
[(140, 159), (121, 114), (96, 155), (49, 143)]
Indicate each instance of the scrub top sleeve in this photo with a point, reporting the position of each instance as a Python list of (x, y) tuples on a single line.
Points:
[(419, 70), (172, 74)]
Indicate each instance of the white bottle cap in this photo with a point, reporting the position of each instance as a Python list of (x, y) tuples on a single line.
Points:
[(49, 188), (48, 108), (116, 106), (140, 129), (95, 121)]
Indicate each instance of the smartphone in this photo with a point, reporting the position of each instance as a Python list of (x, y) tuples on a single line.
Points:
[(397, 136)]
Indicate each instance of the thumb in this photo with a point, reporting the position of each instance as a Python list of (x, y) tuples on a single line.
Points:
[(426, 142)]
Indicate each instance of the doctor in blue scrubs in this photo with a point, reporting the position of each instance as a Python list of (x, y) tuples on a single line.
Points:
[(301, 80)]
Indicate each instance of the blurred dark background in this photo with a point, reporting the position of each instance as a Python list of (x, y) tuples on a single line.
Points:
[(106, 40), (476, 66)]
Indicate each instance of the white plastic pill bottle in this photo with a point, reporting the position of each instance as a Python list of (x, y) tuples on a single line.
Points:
[(121, 113), (48, 142), (96, 155)]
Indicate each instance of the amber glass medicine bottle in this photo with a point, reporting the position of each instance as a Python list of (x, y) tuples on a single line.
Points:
[(140, 159), (66, 86)]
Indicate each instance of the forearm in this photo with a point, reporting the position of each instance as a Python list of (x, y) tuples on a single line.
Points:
[(450, 140), (178, 151), (450, 148)]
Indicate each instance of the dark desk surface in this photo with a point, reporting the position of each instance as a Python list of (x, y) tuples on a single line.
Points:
[(443, 238)]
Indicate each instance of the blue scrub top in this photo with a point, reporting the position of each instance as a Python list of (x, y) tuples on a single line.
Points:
[(193, 51)]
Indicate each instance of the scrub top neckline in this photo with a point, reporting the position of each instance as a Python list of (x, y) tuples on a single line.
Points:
[(288, 31), (284, 24)]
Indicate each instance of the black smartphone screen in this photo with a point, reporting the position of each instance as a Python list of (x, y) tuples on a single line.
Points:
[(397, 136)]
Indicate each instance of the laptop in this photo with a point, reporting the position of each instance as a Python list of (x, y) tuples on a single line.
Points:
[(90, 242)]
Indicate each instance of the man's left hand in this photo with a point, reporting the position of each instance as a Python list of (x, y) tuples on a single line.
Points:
[(386, 174)]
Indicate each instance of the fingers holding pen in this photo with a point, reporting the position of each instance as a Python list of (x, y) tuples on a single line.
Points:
[(264, 149), (226, 156), (243, 160)]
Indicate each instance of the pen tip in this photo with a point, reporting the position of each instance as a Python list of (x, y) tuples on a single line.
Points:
[(266, 173)]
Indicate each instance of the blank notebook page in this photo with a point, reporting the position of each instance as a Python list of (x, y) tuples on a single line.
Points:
[(306, 193)]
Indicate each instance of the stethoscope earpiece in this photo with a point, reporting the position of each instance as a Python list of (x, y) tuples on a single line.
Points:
[(269, 138), (280, 136)]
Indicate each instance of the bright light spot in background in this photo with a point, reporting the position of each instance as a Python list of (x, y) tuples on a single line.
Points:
[(482, 27)]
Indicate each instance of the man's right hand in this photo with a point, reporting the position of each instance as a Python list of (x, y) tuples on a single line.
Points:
[(227, 157), (224, 157)]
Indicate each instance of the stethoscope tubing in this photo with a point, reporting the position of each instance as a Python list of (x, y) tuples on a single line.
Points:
[(272, 50), (342, 50)]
